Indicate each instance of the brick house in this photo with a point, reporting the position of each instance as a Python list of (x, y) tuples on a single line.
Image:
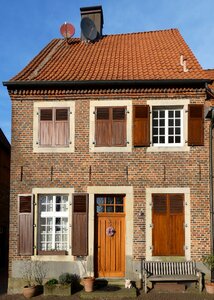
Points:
[(110, 154), (4, 199)]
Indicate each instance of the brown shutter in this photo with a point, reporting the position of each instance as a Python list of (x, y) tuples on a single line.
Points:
[(118, 126), (25, 242), (141, 126), (80, 225), (103, 127), (195, 125), (46, 127), (62, 127)]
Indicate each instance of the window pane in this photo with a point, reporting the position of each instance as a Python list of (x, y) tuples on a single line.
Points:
[(171, 122), (46, 114), (162, 139), (109, 208), (177, 113), (171, 131), (171, 113), (119, 200), (177, 131), (155, 113), (162, 122), (162, 131), (171, 139), (155, 139), (100, 209), (177, 139), (109, 200), (162, 114), (177, 122), (155, 122), (119, 208), (100, 200), (155, 131)]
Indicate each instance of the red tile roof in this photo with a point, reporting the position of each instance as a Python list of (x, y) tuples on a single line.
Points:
[(152, 55), (210, 75)]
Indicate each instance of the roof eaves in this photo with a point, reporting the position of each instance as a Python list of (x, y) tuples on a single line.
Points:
[(106, 83)]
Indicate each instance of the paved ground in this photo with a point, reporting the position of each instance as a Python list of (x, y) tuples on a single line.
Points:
[(153, 295)]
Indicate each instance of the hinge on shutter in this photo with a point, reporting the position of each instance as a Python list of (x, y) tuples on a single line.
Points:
[(185, 247), (185, 225), (70, 112), (126, 111), (70, 142), (94, 143), (34, 225), (151, 204), (151, 247), (95, 112), (127, 142), (151, 225)]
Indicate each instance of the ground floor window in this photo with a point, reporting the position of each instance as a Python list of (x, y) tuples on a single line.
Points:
[(53, 222)]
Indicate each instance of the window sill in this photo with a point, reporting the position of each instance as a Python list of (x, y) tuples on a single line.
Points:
[(52, 252), (37, 149), (168, 149), (127, 148)]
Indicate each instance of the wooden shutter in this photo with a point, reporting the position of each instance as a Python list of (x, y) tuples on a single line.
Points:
[(103, 126), (61, 127), (118, 134), (141, 126), (25, 235), (46, 127), (195, 125), (80, 225)]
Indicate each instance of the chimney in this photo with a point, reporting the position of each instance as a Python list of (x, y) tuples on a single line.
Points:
[(95, 13)]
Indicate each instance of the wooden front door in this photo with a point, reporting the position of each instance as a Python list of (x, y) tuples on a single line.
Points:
[(110, 236), (168, 224)]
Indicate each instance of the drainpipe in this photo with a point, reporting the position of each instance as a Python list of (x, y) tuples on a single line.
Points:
[(211, 191)]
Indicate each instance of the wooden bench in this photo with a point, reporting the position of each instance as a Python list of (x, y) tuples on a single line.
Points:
[(157, 271)]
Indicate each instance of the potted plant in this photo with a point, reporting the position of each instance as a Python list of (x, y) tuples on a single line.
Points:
[(61, 287), (88, 281), (33, 273), (209, 262)]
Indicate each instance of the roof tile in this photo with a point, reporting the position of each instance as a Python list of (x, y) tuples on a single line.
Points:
[(136, 56)]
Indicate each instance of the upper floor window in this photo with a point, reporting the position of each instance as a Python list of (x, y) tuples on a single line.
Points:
[(54, 127), (110, 127), (167, 127)]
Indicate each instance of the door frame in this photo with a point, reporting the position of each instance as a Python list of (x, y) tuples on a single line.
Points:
[(129, 218), (174, 190)]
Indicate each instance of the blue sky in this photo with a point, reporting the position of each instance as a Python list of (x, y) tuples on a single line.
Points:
[(26, 26)]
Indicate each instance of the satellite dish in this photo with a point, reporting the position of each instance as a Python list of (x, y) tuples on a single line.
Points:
[(89, 29), (67, 30)]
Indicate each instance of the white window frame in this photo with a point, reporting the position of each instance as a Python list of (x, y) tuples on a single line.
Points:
[(55, 191), (110, 103), (170, 103), (53, 215), (166, 135), (36, 125)]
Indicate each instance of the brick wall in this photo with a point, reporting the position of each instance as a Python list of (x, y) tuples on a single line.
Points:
[(145, 170)]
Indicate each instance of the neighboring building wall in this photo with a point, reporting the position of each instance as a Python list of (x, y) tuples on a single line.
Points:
[(4, 198), (140, 167)]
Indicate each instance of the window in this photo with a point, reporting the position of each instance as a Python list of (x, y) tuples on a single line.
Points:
[(110, 127), (110, 203), (53, 222), (167, 126), (54, 127)]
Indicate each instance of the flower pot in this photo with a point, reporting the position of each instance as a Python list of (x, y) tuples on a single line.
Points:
[(88, 284), (29, 291), (209, 287)]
